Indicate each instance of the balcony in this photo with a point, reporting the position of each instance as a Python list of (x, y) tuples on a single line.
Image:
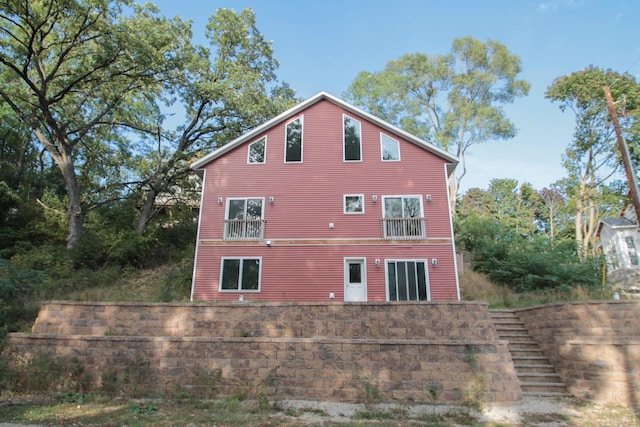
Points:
[(404, 228), (244, 230)]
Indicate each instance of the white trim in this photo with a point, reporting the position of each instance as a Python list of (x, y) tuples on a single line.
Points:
[(395, 260), (295, 110), (242, 259), (264, 160), (344, 151), (229, 199), (363, 262), (195, 260), (344, 204), (301, 118), (453, 239), (417, 196), (383, 135)]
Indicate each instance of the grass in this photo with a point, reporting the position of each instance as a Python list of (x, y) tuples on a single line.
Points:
[(477, 287)]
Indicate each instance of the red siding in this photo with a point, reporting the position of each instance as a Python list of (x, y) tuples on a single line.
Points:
[(309, 196)]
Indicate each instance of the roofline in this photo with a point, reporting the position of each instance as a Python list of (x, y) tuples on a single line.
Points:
[(198, 164)]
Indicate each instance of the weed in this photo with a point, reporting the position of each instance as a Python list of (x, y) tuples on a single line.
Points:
[(73, 397), (370, 389), (136, 377), (471, 355), (207, 383), (373, 415), (144, 409)]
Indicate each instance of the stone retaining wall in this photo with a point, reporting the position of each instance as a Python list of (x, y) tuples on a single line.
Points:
[(403, 353), (594, 345)]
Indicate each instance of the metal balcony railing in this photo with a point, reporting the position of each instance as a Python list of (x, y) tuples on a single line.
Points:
[(404, 228), (244, 229)]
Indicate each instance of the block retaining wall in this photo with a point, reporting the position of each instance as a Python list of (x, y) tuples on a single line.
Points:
[(332, 352), (595, 347)]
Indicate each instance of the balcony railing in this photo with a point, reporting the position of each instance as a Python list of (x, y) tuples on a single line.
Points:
[(404, 228), (244, 229)]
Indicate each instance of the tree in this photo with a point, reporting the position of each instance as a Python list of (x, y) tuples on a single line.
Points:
[(514, 206), (453, 99), (77, 71), (592, 157), (224, 92)]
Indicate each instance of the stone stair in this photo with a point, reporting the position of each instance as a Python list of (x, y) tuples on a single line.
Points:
[(536, 374)]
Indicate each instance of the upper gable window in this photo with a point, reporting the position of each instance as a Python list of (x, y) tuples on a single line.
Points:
[(293, 143), (390, 148), (352, 140), (258, 151)]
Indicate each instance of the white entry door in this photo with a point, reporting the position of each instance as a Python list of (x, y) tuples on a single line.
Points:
[(355, 279)]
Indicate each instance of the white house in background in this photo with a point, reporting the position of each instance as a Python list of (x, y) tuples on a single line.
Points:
[(620, 239)]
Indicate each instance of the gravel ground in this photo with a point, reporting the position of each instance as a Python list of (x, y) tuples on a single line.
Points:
[(532, 411)]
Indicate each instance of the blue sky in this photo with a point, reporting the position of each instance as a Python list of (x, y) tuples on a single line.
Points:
[(323, 44)]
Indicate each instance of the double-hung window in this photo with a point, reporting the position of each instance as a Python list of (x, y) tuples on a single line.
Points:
[(293, 141), (240, 274), (403, 217), (631, 248), (258, 151), (352, 147), (245, 219), (407, 280)]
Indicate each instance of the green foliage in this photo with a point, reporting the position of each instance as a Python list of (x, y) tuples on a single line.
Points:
[(524, 263), (17, 288), (454, 99)]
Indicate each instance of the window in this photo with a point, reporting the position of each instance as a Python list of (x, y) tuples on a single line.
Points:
[(352, 140), (354, 204), (633, 254), (403, 217), (390, 148), (258, 151), (407, 281), (293, 149), (240, 274), (244, 219)]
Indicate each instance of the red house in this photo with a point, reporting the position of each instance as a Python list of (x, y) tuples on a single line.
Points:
[(325, 202)]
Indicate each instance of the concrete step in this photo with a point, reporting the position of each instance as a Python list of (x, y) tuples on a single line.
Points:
[(535, 368), (539, 378), (540, 387), (526, 352), (523, 345)]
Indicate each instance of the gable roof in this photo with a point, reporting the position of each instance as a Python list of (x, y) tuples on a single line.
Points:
[(453, 161), (615, 224)]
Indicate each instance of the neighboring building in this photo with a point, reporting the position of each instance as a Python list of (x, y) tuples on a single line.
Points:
[(325, 202), (620, 239)]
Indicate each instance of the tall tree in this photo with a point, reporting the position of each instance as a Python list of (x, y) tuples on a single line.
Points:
[(75, 71), (228, 88), (592, 156), (455, 99)]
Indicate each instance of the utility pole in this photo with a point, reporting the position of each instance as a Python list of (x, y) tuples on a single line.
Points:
[(624, 151)]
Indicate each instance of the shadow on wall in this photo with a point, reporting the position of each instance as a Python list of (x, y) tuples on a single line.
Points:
[(595, 346)]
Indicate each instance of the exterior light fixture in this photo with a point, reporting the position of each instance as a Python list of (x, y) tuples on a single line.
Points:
[(374, 198), (428, 197), (377, 262), (271, 199), (219, 200), (434, 262)]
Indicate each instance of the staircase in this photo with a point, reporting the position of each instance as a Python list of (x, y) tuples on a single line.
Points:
[(537, 376)]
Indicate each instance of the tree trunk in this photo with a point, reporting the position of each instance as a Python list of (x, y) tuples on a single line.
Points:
[(74, 212), (147, 212)]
